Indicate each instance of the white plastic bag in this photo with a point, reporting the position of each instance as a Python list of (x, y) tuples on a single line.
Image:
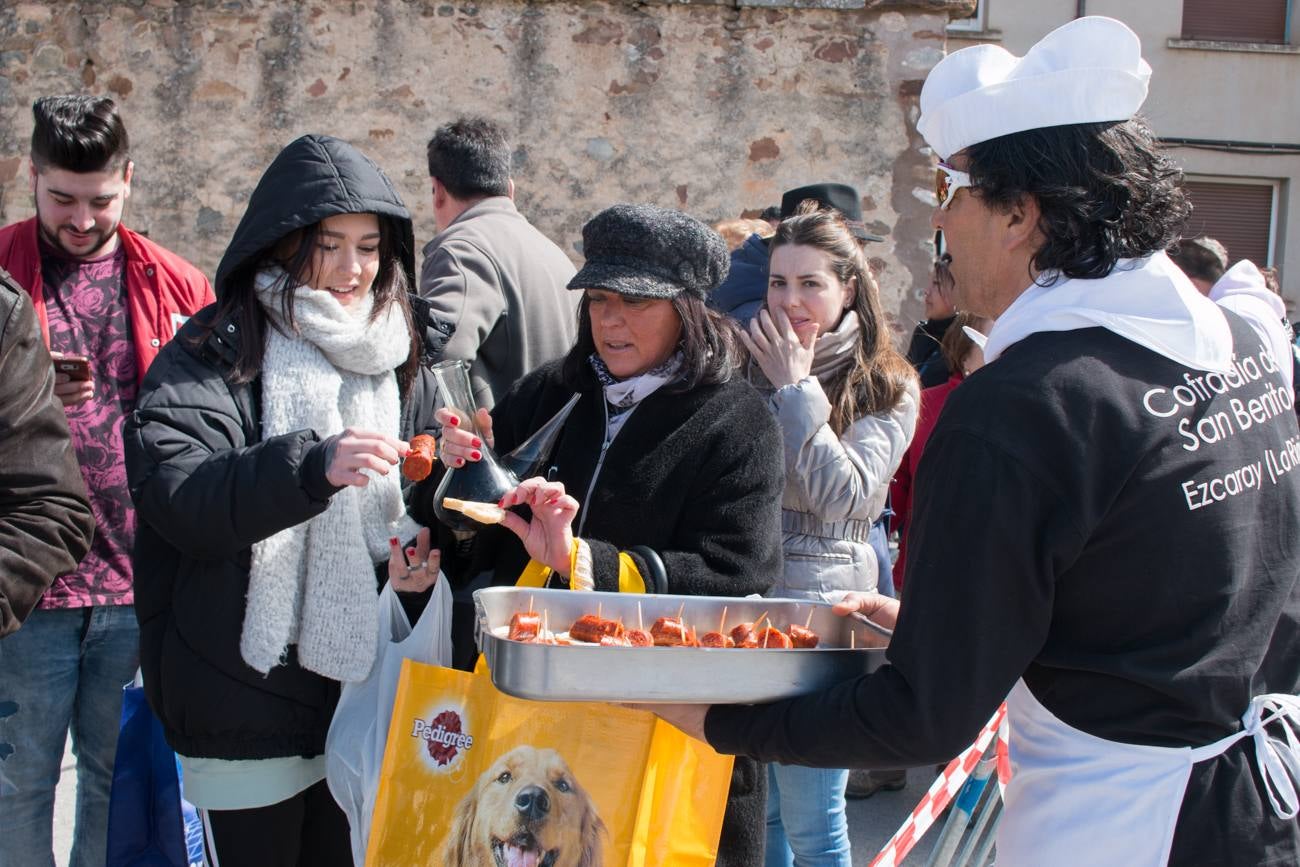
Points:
[(354, 747)]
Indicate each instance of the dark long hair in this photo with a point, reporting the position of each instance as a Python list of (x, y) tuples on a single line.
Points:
[(879, 375), (294, 253), (709, 344), (1105, 192)]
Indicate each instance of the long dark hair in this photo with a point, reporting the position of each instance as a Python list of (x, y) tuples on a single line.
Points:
[(709, 344), (1105, 192), (293, 253), (879, 375)]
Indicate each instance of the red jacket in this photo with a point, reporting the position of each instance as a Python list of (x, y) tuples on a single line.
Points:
[(900, 488), (162, 289)]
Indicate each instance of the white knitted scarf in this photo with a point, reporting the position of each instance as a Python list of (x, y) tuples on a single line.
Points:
[(313, 584)]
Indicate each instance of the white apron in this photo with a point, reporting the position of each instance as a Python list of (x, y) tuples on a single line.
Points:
[(1076, 800)]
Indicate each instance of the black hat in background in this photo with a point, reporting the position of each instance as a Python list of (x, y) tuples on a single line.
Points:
[(840, 197), (650, 252)]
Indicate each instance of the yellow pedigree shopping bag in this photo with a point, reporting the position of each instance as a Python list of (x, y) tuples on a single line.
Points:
[(474, 778)]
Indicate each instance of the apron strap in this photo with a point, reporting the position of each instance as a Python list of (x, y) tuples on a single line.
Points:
[(1278, 757)]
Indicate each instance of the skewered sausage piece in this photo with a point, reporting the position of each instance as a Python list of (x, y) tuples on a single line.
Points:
[(803, 637), (525, 625), (668, 632), (419, 461), (639, 638), (586, 628), (771, 638), (592, 629), (741, 634)]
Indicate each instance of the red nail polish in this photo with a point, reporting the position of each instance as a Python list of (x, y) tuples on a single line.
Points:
[(410, 552), (455, 422), (476, 443), (552, 501), (392, 540), (476, 456)]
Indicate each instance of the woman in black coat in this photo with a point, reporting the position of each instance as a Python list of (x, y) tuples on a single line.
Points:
[(262, 459), (668, 457)]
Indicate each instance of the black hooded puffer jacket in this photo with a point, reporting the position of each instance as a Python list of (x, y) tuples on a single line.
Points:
[(207, 485)]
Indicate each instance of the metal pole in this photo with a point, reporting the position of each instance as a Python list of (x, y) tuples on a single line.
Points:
[(962, 809)]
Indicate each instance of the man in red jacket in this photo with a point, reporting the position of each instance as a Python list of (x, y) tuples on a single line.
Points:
[(107, 299)]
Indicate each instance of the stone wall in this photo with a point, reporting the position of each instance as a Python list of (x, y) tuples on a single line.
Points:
[(713, 107)]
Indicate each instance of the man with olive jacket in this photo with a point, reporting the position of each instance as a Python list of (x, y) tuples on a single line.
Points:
[(45, 520)]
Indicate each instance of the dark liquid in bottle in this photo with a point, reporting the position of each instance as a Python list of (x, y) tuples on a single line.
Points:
[(484, 481)]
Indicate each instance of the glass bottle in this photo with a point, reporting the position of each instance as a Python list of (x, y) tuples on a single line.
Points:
[(530, 457), (486, 480)]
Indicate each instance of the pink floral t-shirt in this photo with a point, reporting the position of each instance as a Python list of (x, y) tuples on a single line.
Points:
[(85, 302)]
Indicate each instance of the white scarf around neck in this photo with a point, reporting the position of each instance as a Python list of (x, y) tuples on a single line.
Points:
[(313, 584), (1148, 301), (623, 395)]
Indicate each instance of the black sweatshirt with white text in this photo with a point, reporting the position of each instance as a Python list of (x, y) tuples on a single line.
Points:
[(1120, 531)]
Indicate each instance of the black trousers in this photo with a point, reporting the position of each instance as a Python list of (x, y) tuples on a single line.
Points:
[(307, 830)]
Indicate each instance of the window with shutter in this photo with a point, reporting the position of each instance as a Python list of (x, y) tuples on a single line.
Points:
[(1238, 215), (1236, 20)]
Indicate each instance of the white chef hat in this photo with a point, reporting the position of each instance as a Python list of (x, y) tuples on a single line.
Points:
[(1088, 71)]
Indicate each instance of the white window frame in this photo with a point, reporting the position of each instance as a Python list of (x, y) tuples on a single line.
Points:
[(973, 24), (1272, 208)]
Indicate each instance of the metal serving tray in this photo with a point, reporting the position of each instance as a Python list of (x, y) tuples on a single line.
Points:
[(697, 675)]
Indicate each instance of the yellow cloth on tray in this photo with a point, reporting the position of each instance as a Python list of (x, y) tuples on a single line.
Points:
[(629, 577)]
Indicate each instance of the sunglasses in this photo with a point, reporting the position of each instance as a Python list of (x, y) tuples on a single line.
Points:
[(947, 181)]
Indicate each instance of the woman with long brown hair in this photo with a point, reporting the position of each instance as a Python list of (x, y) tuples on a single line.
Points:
[(846, 401)]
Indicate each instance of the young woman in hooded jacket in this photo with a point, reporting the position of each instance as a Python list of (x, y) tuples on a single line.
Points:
[(263, 462), (846, 401)]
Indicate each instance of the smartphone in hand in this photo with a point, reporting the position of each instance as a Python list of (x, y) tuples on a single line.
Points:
[(75, 367)]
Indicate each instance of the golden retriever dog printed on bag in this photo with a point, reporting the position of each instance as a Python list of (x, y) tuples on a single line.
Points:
[(526, 810)]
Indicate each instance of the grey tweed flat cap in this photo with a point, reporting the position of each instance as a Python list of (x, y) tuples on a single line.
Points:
[(650, 252)]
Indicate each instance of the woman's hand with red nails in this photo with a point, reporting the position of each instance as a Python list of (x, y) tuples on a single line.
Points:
[(425, 562), (548, 537), (459, 442)]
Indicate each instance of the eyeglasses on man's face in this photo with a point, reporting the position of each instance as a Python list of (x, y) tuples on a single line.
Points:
[(947, 181)]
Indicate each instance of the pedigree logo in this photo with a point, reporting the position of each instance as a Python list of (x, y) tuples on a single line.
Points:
[(444, 738)]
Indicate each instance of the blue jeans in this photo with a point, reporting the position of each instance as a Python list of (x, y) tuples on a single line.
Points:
[(64, 668), (806, 825)]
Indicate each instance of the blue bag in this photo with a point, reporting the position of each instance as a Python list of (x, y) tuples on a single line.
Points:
[(149, 823)]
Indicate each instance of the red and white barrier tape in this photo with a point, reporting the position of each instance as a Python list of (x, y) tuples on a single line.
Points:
[(1004, 752), (944, 788)]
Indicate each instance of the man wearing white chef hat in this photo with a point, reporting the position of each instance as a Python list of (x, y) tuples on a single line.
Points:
[(1116, 543)]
